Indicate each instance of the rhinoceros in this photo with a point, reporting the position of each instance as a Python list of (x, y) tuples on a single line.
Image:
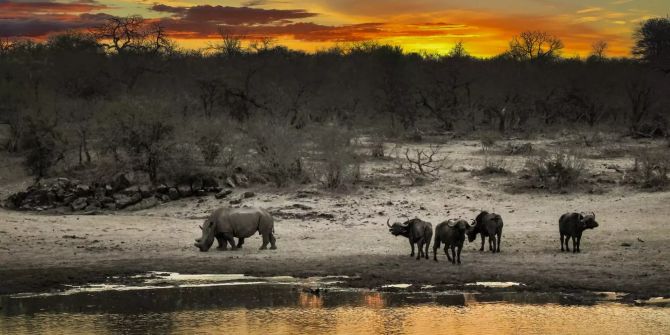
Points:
[(227, 223), (573, 225), (452, 234)]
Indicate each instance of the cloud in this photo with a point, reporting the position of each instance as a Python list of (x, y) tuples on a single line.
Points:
[(589, 10), (37, 19), (232, 15)]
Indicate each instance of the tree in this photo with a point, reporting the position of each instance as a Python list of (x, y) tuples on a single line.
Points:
[(598, 49), (458, 51), (652, 42), (132, 34), (535, 45)]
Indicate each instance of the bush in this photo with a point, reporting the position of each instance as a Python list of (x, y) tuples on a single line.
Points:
[(493, 166), (650, 170), (377, 149), (420, 164), (488, 140), (556, 170), (143, 130), (338, 163), (43, 146), (278, 151)]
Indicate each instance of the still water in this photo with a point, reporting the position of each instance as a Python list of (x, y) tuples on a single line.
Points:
[(283, 308)]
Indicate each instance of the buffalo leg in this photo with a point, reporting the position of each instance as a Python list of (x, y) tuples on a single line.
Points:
[(453, 253), (562, 243), (240, 241), (482, 247), (411, 244), (273, 240), (492, 242), (427, 246), (446, 251), (567, 243), (420, 251), (458, 249), (499, 238), (223, 244), (436, 246), (579, 242), (574, 244)]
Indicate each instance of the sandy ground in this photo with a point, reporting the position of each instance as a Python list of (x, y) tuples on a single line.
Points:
[(42, 252)]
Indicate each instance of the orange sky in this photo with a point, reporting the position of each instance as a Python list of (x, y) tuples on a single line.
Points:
[(424, 25)]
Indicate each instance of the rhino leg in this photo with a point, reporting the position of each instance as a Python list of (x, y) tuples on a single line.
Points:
[(273, 240), (240, 242), (223, 244), (266, 240), (231, 240)]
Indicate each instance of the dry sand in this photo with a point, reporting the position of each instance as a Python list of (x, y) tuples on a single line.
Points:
[(42, 252)]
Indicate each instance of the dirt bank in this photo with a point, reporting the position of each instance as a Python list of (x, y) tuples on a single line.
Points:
[(43, 252)]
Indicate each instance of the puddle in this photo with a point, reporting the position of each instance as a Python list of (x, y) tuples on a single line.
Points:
[(185, 304), (495, 284)]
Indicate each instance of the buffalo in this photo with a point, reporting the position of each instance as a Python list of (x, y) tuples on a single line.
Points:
[(416, 231), (573, 225), (452, 234), (488, 225)]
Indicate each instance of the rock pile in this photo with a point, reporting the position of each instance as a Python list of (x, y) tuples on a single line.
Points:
[(131, 191)]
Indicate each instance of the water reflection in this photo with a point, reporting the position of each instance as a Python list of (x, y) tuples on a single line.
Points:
[(283, 309)]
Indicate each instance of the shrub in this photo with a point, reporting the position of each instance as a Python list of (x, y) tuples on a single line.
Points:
[(650, 170), (278, 150), (555, 170), (43, 146), (338, 163), (377, 149), (488, 140), (143, 130), (493, 166)]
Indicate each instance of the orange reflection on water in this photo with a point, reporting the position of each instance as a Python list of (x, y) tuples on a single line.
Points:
[(308, 300), (374, 300)]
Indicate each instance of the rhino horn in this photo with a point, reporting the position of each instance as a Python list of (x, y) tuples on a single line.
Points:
[(387, 222)]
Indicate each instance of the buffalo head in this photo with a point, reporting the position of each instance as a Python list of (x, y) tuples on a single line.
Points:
[(589, 220), (207, 239), (398, 228)]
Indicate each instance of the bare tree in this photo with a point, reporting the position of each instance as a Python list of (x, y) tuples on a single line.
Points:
[(598, 49), (422, 163), (535, 45), (640, 96), (132, 33)]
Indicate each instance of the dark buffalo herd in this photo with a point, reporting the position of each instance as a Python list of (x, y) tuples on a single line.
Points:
[(452, 233)]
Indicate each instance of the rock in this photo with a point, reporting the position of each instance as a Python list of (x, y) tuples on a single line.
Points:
[(144, 204), (123, 200), (184, 190), (248, 194), (240, 179), (109, 205), (146, 190), (625, 244), (164, 197), (79, 204), (200, 193), (162, 189), (197, 184), (230, 182), (173, 193), (301, 206), (82, 190), (131, 190), (69, 198), (124, 180), (100, 192), (209, 182), (223, 194), (236, 201)]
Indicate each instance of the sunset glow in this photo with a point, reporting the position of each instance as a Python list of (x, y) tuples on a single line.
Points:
[(485, 27)]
